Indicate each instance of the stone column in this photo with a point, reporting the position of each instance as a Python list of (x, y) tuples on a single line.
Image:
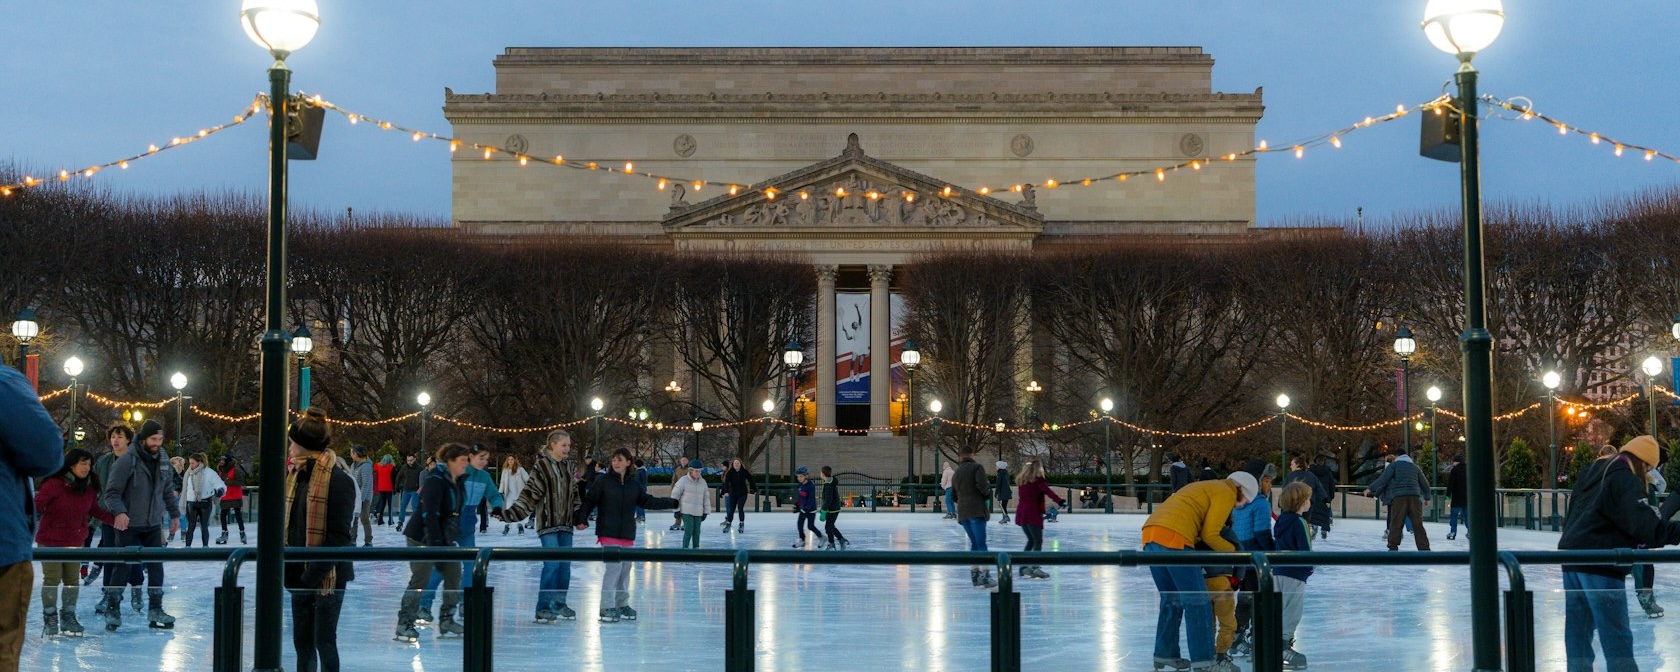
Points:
[(880, 346), (825, 344)]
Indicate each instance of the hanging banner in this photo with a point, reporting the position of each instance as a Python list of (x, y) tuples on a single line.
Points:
[(1400, 391), (851, 348)]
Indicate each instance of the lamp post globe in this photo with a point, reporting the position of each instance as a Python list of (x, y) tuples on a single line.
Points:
[(25, 327), (1106, 405), (1283, 402), (73, 367), (1551, 380), (793, 355), (597, 404), (280, 26), (1404, 344), (1463, 27), (1674, 329), (935, 407), (910, 356), (697, 426), (1652, 366), (178, 381), (1434, 394), (425, 399), (303, 342), (768, 406)]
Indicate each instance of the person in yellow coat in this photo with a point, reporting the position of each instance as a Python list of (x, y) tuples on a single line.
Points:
[(1193, 515)]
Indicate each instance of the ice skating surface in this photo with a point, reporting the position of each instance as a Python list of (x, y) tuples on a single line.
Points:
[(865, 617)]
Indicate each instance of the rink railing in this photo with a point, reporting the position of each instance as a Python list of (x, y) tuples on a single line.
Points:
[(739, 602)]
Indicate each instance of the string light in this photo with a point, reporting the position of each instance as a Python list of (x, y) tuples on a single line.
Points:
[(1526, 112)]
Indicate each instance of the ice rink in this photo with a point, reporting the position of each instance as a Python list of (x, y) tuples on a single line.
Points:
[(866, 618)]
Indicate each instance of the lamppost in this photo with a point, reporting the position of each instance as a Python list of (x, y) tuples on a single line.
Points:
[(280, 27), (1463, 28), (1652, 367), (73, 368), (1283, 433), (769, 412), (425, 401), (697, 426), (1107, 405), (179, 382), (1434, 395), (1405, 345), (910, 357), (24, 329), (596, 405), (792, 357), (934, 407), (303, 343), (1552, 380)]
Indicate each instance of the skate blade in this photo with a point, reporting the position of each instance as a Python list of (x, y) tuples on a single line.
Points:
[(161, 626), (407, 640)]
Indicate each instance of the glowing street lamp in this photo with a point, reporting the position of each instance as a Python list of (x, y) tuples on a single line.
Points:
[(73, 368), (24, 329), (1107, 405), (910, 357), (1283, 433), (1552, 380)]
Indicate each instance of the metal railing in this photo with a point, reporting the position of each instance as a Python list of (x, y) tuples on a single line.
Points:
[(739, 600)]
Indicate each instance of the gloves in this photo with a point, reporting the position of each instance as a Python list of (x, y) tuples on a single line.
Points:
[(496, 512), (702, 517)]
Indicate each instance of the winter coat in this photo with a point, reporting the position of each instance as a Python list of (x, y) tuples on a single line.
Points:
[(970, 489), (738, 483), (831, 495), (65, 512), (805, 497), (202, 485), (692, 495), (362, 473), (1252, 524), (1030, 511), (340, 528), (1403, 478), (1292, 535), (1457, 486), (946, 476), (102, 466), (1326, 476), (383, 477), (409, 475), (1194, 514), (233, 479), (1608, 510), (476, 487), (1319, 514), (435, 520), (615, 497), (1212, 571), (1180, 476), (142, 485), (1003, 484), (551, 497), (512, 483)]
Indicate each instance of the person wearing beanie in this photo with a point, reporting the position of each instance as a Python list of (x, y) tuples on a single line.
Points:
[(805, 502), (1004, 489), (1252, 527), (1608, 510), (140, 497), (1193, 515), (1407, 491), (321, 508), (831, 509), (693, 502)]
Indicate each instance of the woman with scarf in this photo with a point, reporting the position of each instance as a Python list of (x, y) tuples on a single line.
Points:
[(320, 512), (200, 489)]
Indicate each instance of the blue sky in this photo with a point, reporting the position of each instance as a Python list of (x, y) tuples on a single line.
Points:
[(89, 80)]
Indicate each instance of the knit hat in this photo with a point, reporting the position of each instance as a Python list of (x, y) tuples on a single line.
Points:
[(1245, 481), (1002, 464), (694, 464), (147, 430), (309, 442), (1260, 469), (1643, 447)]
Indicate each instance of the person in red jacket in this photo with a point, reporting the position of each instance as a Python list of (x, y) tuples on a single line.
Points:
[(65, 500), (233, 498), (384, 486), (1029, 513)]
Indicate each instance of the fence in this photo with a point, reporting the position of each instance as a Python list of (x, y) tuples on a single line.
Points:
[(739, 600)]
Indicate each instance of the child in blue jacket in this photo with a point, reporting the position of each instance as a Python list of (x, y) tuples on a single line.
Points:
[(806, 504), (1290, 534)]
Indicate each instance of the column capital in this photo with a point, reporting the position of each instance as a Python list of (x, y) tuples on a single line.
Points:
[(826, 274), (880, 274)]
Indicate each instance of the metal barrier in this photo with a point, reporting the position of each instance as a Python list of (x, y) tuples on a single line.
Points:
[(477, 651)]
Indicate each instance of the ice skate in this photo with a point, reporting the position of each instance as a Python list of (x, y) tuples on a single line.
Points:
[(627, 613), (222, 540), (423, 617), (675, 526), (113, 609), (726, 526), (1292, 659), (1224, 664), (407, 633), (566, 613), (521, 530), (1451, 536), (68, 625), (92, 575), (171, 538), (1240, 646), (830, 546), (50, 619), (448, 627), (158, 620), (741, 527), (546, 617), (844, 544), (134, 599), (609, 615), (1005, 520), (1171, 664), (507, 528), (983, 578), (242, 537), (1648, 602), (1037, 572)]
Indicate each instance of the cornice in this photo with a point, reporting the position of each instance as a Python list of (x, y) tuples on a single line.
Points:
[(522, 57)]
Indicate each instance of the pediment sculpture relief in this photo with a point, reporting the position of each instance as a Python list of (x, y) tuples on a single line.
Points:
[(846, 202)]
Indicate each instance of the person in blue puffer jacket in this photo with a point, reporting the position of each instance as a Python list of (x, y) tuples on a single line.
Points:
[(477, 486), (1252, 526), (806, 503)]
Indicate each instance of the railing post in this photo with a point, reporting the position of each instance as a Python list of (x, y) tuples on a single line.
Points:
[(1344, 495), (1268, 618), (1519, 617), (228, 635), (739, 649), (1006, 619), (874, 496), (1528, 518), (477, 650)]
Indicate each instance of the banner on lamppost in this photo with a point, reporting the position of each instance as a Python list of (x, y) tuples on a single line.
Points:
[(1400, 391), (1674, 380)]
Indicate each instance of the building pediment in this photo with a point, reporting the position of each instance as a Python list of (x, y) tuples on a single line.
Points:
[(855, 194)]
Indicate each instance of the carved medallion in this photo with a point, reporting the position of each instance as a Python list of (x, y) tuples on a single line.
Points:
[(684, 145), (516, 144), (1191, 144), (1021, 144)]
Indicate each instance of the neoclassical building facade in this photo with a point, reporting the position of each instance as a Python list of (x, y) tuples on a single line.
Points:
[(858, 159)]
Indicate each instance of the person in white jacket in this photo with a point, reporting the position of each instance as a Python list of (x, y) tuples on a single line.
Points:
[(694, 501), (512, 483), (200, 488)]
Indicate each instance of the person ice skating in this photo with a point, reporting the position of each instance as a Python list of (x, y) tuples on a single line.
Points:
[(805, 503), (1319, 516), (694, 502), (178, 467), (1221, 586), (476, 489), (1645, 574), (945, 477), (1178, 473), (140, 497), (552, 500), (408, 487), (1407, 490), (677, 474), (1029, 513), (384, 487), (233, 498), (1190, 516), (1326, 477), (65, 501), (1252, 526), (361, 470), (738, 485), (1457, 497), (971, 489), (322, 506), (30, 447), (436, 522), (1291, 533), (614, 497), (831, 509), (512, 484), (641, 473), (1004, 490), (118, 436), (200, 489)]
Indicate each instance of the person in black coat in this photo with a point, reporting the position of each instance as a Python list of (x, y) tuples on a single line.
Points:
[(408, 486), (1319, 515), (1180, 474), (1456, 498), (737, 486), (614, 496), (1004, 488), (435, 523), (318, 515), (1327, 477)]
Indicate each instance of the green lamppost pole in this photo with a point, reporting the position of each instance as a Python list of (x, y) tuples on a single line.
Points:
[(425, 401), (179, 382), (1283, 433), (769, 410), (1434, 395), (934, 407), (1405, 345), (73, 368), (1552, 380), (910, 357), (1463, 28), (280, 27), (1107, 406)]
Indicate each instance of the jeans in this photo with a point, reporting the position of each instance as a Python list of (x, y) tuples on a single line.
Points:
[(976, 529), (1454, 514), (1596, 602), (807, 520), (119, 574), (1184, 599), (691, 531), (735, 506), (556, 576), (950, 503), (406, 500), (419, 572), (108, 537), (365, 518), (468, 539), (315, 629)]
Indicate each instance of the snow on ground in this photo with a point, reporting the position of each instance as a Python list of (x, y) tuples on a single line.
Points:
[(857, 617)]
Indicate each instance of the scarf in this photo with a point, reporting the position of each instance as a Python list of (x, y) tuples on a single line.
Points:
[(315, 509)]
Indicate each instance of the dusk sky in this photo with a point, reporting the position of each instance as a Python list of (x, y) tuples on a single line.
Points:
[(87, 81)]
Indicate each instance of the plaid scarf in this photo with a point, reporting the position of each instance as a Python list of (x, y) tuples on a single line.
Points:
[(315, 509)]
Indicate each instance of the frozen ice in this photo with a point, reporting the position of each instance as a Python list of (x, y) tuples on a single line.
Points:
[(866, 617)]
